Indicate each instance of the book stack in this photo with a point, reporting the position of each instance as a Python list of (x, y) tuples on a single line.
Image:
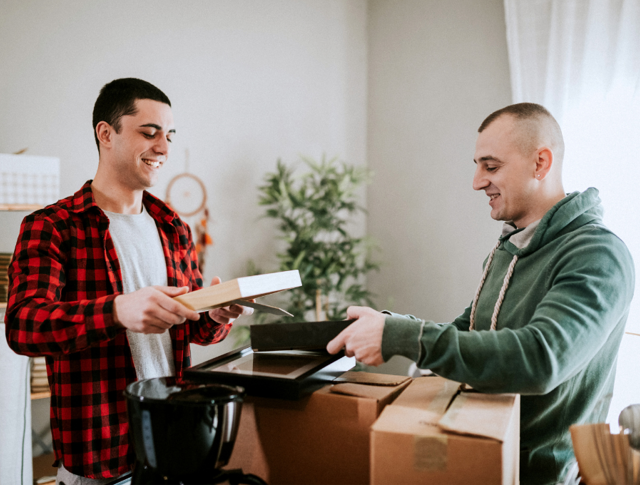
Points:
[(5, 258), (39, 381)]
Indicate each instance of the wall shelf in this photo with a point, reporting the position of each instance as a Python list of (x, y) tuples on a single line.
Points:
[(40, 395), (20, 207)]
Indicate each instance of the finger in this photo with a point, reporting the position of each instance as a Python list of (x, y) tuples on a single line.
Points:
[(238, 310), (216, 280), (168, 317), (217, 317), (354, 312), (175, 308), (246, 310), (222, 313), (152, 325), (172, 290), (156, 329), (337, 343), (230, 313)]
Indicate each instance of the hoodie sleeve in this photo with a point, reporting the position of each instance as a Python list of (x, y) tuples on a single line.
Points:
[(591, 284)]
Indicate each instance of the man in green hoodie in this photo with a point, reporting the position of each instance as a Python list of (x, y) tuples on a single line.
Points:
[(549, 314)]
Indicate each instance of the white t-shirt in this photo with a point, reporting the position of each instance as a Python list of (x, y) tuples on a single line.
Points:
[(142, 263)]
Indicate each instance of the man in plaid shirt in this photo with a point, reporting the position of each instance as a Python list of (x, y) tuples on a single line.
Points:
[(91, 287)]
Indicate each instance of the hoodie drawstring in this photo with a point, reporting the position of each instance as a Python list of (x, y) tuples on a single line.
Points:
[(503, 290)]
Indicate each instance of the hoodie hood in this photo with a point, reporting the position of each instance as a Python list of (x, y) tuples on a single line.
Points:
[(576, 209)]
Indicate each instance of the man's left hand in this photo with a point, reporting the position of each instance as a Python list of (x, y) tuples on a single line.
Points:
[(363, 338), (226, 315)]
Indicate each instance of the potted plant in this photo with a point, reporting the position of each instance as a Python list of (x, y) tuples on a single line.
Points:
[(313, 211)]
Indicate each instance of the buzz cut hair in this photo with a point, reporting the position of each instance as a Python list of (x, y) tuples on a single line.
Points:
[(536, 125), (118, 99)]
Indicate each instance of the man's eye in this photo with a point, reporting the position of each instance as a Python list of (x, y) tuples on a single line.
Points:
[(169, 140), (149, 135), (491, 169)]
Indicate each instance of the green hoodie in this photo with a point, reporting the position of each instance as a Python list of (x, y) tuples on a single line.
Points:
[(558, 330)]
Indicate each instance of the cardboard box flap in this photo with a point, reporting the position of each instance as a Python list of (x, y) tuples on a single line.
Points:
[(486, 415), (361, 390), (371, 379), (431, 393), (411, 421)]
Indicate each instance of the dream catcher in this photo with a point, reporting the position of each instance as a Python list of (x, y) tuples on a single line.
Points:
[(187, 195)]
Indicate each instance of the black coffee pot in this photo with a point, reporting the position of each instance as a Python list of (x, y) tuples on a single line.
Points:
[(183, 432)]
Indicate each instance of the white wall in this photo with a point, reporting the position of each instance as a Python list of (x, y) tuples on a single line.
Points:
[(249, 82), (436, 70), (254, 81)]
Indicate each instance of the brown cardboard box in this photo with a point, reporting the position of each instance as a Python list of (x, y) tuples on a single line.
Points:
[(602, 454), (321, 439), (435, 434)]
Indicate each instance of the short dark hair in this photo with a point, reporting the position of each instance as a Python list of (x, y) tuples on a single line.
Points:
[(118, 99), (536, 124), (519, 111)]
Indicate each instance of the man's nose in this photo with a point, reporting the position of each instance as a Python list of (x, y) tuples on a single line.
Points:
[(479, 181), (162, 146)]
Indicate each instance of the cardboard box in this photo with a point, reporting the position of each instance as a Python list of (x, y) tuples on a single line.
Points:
[(602, 454), (321, 439), (437, 434)]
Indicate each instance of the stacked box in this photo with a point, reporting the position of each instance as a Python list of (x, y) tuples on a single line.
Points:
[(320, 439), (435, 432)]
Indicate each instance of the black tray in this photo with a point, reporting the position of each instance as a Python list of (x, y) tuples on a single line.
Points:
[(296, 336), (282, 375)]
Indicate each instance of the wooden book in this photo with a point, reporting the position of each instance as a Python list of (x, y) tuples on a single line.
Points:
[(240, 290)]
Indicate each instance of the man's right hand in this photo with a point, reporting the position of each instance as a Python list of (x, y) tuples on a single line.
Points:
[(152, 309)]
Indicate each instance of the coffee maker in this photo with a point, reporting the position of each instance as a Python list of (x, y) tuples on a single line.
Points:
[(183, 432)]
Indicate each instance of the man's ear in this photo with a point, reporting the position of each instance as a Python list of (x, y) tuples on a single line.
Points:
[(104, 133), (544, 162)]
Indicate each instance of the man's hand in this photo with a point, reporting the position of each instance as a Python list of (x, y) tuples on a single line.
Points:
[(363, 338), (151, 309), (227, 314)]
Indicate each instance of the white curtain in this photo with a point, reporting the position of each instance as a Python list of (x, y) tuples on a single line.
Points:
[(581, 60)]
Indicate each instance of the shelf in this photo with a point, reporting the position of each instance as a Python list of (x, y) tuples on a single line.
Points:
[(40, 395), (20, 207), (3, 304)]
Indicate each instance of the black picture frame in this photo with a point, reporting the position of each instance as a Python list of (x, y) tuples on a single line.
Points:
[(283, 375)]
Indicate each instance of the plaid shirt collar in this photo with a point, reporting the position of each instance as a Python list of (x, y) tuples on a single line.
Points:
[(83, 201)]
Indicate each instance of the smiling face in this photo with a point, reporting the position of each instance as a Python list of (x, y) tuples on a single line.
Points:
[(506, 171), (142, 146)]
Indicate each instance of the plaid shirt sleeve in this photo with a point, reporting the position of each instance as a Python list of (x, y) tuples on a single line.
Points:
[(42, 321)]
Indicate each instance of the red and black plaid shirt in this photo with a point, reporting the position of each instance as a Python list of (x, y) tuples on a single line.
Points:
[(63, 280)]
